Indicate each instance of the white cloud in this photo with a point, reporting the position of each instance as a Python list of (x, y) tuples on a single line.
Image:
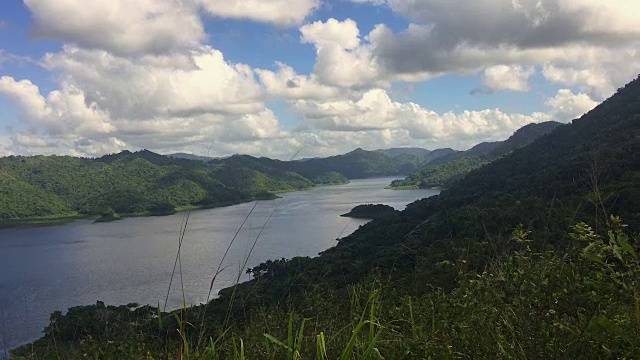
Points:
[(260, 126), (106, 103), (286, 83), (467, 37), (567, 106), (504, 77), (62, 112), (598, 71), (6, 57), (278, 12), (169, 86), (343, 60), (5, 146), (119, 26), (375, 111)]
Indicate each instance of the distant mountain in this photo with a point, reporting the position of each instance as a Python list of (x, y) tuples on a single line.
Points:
[(190, 156), (393, 152), (359, 164), (440, 153), (356, 164), (444, 170), (129, 183)]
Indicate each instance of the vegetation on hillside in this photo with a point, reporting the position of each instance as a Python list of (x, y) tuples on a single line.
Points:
[(127, 183), (145, 183), (438, 176), (443, 171), (532, 255)]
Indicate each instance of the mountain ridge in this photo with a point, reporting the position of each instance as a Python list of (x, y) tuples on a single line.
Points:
[(445, 170)]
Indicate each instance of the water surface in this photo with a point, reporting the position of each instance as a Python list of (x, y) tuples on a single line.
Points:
[(53, 268)]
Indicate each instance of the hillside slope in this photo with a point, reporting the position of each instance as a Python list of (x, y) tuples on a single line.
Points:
[(129, 183), (443, 171)]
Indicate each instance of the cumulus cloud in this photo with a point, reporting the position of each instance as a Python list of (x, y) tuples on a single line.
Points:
[(503, 77), (376, 111), (119, 26), (343, 59), (5, 146), (62, 112), (286, 83), (597, 71), (522, 23), (170, 86), (278, 12), (567, 106), (466, 37), (106, 103)]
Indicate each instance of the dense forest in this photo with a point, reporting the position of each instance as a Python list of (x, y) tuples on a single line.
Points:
[(534, 255), (145, 183), (443, 171)]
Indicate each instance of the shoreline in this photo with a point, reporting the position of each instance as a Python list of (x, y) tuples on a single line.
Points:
[(56, 220)]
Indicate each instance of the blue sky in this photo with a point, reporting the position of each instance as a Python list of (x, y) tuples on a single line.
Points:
[(267, 76)]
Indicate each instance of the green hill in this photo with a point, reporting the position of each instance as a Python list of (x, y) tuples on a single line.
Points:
[(141, 183), (146, 183), (444, 170)]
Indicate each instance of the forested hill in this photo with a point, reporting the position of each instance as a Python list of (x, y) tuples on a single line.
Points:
[(583, 171), (357, 164), (129, 184), (146, 183), (443, 171)]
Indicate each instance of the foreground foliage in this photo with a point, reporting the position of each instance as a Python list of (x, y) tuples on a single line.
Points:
[(580, 302)]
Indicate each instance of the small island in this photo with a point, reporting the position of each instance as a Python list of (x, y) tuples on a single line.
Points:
[(370, 211)]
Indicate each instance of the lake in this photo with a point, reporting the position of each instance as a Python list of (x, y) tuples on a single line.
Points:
[(53, 268)]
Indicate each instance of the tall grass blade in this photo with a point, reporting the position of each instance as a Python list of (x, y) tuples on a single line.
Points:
[(321, 347)]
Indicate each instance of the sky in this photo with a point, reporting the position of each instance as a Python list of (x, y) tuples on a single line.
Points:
[(284, 78)]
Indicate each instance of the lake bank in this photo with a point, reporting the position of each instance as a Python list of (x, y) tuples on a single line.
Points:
[(55, 220)]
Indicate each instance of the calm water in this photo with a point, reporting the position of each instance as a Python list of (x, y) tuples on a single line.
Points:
[(53, 268)]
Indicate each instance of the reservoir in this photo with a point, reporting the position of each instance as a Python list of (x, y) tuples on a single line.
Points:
[(53, 268)]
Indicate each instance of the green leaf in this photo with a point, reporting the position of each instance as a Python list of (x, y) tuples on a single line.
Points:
[(347, 353), (277, 342), (624, 244), (321, 347), (604, 324), (594, 258)]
